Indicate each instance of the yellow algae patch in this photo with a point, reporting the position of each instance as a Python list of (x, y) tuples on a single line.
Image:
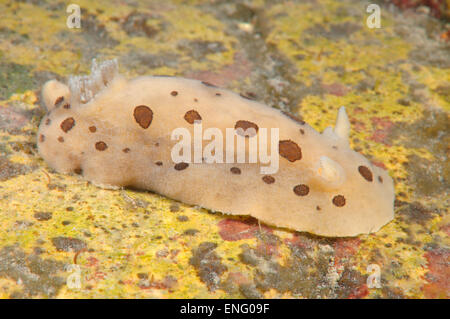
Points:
[(40, 28), (437, 85), (103, 23), (406, 264), (124, 233), (176, 33), (308, 37)]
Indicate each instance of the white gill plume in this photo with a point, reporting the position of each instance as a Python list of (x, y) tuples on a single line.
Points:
[(84, 88)]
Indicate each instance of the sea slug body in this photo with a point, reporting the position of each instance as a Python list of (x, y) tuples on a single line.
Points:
[(117, 132)]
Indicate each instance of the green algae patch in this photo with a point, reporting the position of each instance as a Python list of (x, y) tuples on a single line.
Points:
[(14, 78)]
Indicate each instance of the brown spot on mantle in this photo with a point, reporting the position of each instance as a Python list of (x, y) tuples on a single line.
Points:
[(143, 116), (290, 150)]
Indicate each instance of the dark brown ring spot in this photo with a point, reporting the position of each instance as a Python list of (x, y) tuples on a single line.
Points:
[(101, 146), (290, 150), (143, 116), (366, 173), (242, 126), (67, 124), (181, 166), (59, 100), (192, 116), (301, 190), (268, 179), (339, 200), (235, 170)]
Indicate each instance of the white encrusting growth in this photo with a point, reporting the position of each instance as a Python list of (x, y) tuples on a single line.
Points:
[(116, 132)]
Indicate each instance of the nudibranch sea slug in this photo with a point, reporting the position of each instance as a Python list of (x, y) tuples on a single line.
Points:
[(117, 132)]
